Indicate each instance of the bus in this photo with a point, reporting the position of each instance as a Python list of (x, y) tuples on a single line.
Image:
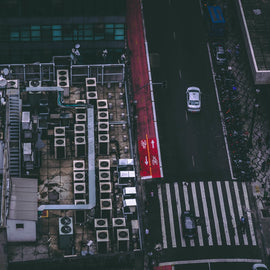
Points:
[(216, 21)]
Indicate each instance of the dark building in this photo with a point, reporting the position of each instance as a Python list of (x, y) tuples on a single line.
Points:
[(36, 30)]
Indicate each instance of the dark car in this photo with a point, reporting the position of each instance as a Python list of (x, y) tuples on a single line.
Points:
[(189, 225)]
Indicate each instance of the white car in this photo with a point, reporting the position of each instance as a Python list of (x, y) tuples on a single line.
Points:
[(259, 266), (193, 99)]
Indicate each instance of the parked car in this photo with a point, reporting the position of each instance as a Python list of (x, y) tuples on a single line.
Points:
[(189, 225), (193, 99), (220, 55), (259, 266)]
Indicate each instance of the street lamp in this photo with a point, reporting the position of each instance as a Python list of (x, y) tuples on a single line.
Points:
[(255, 109)]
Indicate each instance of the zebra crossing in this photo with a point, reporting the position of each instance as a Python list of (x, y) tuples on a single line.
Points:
[(217, 206)]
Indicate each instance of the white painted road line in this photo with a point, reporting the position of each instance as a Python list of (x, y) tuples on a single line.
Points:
[(197, 212), (252, 232), (239, 206), (205, 210), (179, 212), (174, 36), (163, 228), (223, 212), (236, 239), (193, 161), (214, 210), (169, 200), (180, 74)]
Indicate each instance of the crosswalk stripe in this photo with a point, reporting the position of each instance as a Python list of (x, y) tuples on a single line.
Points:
[(163, 228), (252, 232), (205, 209), (197, 213), (224, 219), (214, 210), (169, 200), (179, 212), (239, 206), (236, 239), (185, 188)]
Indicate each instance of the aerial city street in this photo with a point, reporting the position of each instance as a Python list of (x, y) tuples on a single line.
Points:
[(134, 135)]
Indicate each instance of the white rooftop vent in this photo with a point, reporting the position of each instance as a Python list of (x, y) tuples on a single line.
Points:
[(104, 164), (91, 95), (79, 129), (78, 165), (62, 78), (79, 188), (59, 131), (35, 83), (80, 117), (79, 176), (102, 105), (12, 84), (26, 121), (90, 82), (119, 222), (103, 116), (101, 223), (105, 175), (102, 235), (65, 226), (126, 162), (103, 127), (83, 201), (127, 174), (103, 138), (59, 142)]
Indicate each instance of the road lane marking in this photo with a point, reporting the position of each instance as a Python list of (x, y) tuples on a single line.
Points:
[(236, 239), (179, 212), (239, 206), (174, 36), (169, 200), (252, 232), (180, 74), (214, 210), (205, 210), (222, 208), (197, 212), (163, 228)]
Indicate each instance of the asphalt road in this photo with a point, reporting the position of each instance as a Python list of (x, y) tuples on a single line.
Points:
[(192, 145)]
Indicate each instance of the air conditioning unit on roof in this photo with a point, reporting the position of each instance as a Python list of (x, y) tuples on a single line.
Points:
[(65, 226), (105, 189), (103, 127), (103, 116), (102, 235), (80, 101), (101, 223), (102, 104), (78, 165), (79, 176), (103, 138), (104, 164), (91, 82), (91, 95), (119, 222), (79, 188), (122, 240), (104, 175), (62, 78), (60, 142), (59, 132), (80, 117), (35, 83), (12, 84)]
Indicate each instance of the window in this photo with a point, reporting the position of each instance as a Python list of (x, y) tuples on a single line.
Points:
[(19, 226), (119, 33), (99, 31), (57, 32), (35, 32)]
